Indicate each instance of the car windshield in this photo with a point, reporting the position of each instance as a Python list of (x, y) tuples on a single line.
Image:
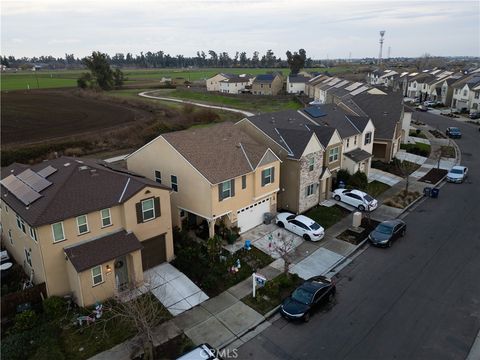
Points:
[(454, 130), (302, 296), (314, 226), (384, 229), (456, 171), (368, 198)]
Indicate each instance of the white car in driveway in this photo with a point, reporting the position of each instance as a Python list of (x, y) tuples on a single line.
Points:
[(300, 225), (359, 199), (457, 174)]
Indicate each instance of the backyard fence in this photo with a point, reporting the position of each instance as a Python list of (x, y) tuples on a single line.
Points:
[(31, 295)]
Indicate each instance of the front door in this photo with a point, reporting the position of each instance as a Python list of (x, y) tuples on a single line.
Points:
[(121, 273)]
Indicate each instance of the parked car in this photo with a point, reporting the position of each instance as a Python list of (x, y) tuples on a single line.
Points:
[(300, 225), (421, 108), (430, 103), (307, 297), (457, 174), (386, 232), (449, 114), (359, 199), (453, 132), (474, 115)]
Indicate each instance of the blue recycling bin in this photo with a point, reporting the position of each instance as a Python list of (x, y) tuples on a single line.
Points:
[(248, 244), (434, 193), (427, 191), (341, 184)]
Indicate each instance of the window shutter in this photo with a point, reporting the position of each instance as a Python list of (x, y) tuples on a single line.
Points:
[(263, 177), (220, 192), (232, 187), (273, 175), (138, 206), (156, 202)]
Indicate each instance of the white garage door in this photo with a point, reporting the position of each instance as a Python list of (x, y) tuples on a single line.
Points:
[(252, 215)]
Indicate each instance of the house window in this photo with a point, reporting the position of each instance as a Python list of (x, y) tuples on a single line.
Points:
[(310, 190), (97, 275), (28, 257), (148, 209), (174, 183), (33, 234), (106, 218), (348, 142), (414, 85), (226, 189), (368, 138), (465, 92), (311, 164), (333, 154), (10, 237), (57, 230), (21, 224), (267, 176), (477, 94), (82, 224), (355, 140), (456, 91), (158, 176), (244, 181)]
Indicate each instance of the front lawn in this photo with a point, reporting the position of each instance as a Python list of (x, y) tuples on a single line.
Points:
[(420, 149), (395, 167), (417, 133), (448, 151), (273, 293), (376, 188), (327, 216), (212, 269)]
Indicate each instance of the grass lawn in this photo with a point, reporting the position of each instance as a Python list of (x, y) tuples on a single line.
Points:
[(327, 216), (419, 134), (273, 293), (417, 149), (448, 151), (376, 188)]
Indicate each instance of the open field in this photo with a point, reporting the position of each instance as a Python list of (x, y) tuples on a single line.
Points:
[(42, 79)]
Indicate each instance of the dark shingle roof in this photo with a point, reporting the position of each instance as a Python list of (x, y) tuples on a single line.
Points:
[(219, 152), (264, 78), (358, 155), (236, 79), (79, 186), (297, 79), (95, 252)]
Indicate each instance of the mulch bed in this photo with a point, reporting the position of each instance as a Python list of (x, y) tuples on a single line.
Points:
[(437, 134), (355, 238), (434, 176)]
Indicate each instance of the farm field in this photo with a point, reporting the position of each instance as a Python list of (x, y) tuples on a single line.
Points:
[(68, 78)]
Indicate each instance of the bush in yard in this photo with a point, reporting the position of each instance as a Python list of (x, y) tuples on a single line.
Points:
[(25, 321), (358, 180), (55, 307)]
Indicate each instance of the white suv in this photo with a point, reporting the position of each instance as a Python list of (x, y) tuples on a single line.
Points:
[(362, 201)]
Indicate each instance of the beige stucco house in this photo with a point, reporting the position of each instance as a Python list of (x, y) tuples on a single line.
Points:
[(217, 173), (267, 84), (83, 227), (213, 83)]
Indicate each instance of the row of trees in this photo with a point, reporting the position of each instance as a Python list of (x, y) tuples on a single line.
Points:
[(160, 59)]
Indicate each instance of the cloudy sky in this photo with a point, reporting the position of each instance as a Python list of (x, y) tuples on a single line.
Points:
[(326, 29)]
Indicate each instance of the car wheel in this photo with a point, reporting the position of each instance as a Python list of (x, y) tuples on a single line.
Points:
[(389, 243), (306, 317), (306, 237), (361, 207), (402, 234), (337, 197), (330, 296), (280, 224)]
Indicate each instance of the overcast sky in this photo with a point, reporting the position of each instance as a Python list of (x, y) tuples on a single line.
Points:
[(325, 29)]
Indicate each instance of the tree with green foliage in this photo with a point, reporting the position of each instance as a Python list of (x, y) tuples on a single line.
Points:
[(296, 61), (101, 75)]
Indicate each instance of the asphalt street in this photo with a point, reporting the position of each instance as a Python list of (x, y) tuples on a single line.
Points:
[(419, 299)]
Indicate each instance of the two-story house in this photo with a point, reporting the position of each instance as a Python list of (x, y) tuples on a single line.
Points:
[(84, 227), (464, 93), (217, 173), (267, 84), (234, 85), (213, 83), (296, 84)]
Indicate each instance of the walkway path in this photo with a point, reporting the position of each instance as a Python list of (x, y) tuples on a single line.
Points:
[(146, 94)]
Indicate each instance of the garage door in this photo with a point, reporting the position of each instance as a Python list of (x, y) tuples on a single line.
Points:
[(252, 215), (153, 252)]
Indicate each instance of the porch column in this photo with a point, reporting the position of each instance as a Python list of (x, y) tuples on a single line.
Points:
[(211, 228)]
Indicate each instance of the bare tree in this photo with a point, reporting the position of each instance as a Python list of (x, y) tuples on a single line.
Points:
[(283, 244), (405, 168)]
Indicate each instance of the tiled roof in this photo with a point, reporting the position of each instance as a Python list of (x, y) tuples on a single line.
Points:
[(79, 186), (86, 255), (219, 152)]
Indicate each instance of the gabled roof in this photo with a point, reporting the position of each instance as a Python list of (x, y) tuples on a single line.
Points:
[(86, 255), (236, 79), (220, 152), (470, 80), (358, 155), (297, 79), (78, 187)]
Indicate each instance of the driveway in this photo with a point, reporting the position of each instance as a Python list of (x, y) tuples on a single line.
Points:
[(147, 94), (173, 288)]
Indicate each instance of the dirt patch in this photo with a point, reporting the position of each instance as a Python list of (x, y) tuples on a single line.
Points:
[(434, 176), (437, 134), (402, 199), (36, 116)]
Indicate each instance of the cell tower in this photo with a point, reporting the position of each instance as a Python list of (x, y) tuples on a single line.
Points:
[(382, 33)]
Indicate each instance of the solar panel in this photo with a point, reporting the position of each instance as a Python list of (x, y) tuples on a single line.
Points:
[(20, 190), (315, 111), (46, 172), (35, 181), (359, 90)]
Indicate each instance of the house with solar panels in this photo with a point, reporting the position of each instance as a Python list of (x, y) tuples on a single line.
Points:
[(83, 227), (267, 84), (313, 144)]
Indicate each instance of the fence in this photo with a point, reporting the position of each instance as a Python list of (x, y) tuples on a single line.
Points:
[(32, 295)]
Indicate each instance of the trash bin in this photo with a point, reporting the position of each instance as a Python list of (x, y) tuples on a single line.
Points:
[(267, 218), (434, 193), (341, 184), (427, 191)]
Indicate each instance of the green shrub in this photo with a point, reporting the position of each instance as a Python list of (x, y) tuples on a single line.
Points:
[(54, 307), (359, 180), (343, 175), (25, 321)]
